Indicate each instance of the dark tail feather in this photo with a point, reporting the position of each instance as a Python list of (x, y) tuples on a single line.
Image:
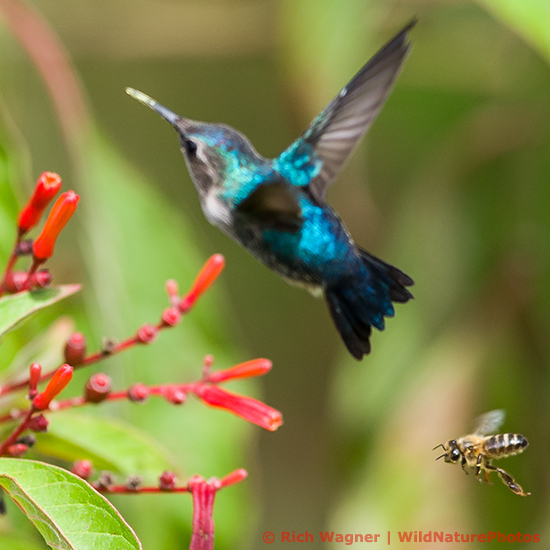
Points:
[(397, 279), (354, 333), (359, 303)]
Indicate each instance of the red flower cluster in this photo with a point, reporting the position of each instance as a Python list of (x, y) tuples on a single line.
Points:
[(246, 407), (42, 248), (99, 386)]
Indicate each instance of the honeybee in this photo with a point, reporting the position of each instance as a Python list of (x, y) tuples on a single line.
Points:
[(478, 449)]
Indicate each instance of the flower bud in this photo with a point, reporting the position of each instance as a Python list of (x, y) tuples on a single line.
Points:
[(171, 316), (45, 190), (83, 468), (174, 395), (146, 334), (17, 450), (24, 248), (97, 388), (167, 481), (105, 480), (75, 349), (172, 289), (16, 281), (134, 482), (40, 279), (39, 423), (108, 346), (138, 393), (60, 214)]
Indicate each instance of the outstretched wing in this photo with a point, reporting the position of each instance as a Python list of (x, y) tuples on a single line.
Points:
[(338, 128), (489, 422)]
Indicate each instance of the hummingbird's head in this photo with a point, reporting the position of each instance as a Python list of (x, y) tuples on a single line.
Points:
[(215, 154)]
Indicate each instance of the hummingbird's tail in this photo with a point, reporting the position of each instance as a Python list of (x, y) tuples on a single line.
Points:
[(358, 303)]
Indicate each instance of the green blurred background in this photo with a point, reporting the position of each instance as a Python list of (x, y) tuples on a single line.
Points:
[(452, 184)]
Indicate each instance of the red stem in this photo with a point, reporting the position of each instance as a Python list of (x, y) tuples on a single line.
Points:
[(11, 263), (17, 432), (124, 490), (91, 359), (79, 401)]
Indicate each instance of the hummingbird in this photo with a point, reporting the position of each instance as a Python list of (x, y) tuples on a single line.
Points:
[(276, 208)]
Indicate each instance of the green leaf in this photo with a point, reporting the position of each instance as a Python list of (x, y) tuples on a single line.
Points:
[(110, 444), (17, 307), (66, 510), (530, 18)]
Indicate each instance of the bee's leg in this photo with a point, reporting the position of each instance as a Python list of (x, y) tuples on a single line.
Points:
[(463, 464), (508, 480), (484, 464), (479, 461)]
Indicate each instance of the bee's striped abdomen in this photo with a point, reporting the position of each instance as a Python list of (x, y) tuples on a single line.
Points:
[(502, 445)]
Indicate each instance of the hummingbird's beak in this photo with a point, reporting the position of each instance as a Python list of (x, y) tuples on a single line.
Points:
[(165, 113)]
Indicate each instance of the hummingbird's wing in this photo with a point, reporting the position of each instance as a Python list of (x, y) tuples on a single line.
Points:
[(274, 204), (338, 128)]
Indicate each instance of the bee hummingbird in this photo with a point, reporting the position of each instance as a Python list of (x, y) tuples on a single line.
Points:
[(276, 209)]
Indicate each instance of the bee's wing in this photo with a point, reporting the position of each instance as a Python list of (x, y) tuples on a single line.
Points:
[(339, 127), (489, 422)]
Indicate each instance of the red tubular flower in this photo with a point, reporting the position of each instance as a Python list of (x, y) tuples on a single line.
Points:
[(207, 275), (35, 370), (250, 409), (46, 189), (234, 477), (60, 214), (203, 493), (255, 367), (55, 386)]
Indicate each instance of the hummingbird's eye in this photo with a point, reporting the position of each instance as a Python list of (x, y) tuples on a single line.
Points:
[(190, 147)]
